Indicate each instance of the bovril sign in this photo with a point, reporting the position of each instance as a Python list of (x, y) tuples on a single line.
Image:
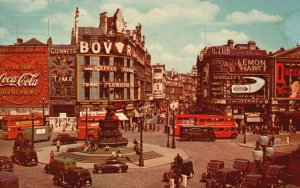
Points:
[(106, 47)]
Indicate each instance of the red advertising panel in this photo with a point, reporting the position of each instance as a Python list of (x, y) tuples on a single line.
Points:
[(23, 76), (287, 80)]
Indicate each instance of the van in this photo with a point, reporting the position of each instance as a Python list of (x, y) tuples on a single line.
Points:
[(190, 133)]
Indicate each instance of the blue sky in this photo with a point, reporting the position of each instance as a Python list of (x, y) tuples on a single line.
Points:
[(175, 30)]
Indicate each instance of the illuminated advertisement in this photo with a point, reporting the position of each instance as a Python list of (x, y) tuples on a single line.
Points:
[(287, 80), (239, 88), (62, 71), (23, 76)]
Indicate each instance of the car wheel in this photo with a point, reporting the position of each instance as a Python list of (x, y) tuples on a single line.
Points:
[(213, 138), (99, 171), (120, 170), (234, 136), (57, 181)]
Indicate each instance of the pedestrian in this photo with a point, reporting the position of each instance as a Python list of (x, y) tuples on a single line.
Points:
[(58, 145), (51, 156)]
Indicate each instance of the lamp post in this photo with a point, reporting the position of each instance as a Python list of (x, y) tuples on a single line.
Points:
[(43, 105), (32, 129), (261, 154), (168, 127), (141, 158), (173, 108)]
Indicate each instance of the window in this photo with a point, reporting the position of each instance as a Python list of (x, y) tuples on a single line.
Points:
[(104, 60)]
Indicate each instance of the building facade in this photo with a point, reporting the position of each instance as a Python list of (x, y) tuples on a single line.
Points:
[(24, 77), (234, 80), (113, 65)]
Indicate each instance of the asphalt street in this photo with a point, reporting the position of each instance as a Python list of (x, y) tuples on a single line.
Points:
[(199, 152)]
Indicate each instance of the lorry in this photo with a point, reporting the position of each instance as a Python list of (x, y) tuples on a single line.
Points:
[(41, 133)]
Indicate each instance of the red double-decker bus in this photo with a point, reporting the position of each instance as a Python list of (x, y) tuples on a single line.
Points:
[(224, 126), (14, 125), (92, 126)]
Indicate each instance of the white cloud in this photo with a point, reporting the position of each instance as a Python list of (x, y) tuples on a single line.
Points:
[(221, 37), (171, 12), (155, 47), (252, 16), (63, 22), (26, 6), (193, 49)]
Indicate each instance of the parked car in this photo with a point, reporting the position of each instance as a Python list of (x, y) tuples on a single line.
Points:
[(65, 139), (212, 167), (242, 165), (187, 169), (225, 177), (6, 164), (9, 180), (26, 157), (111, 165), (74, 177), (59, 164), (190, 133), (252, 181)]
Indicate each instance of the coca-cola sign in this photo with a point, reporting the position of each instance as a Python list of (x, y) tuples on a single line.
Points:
[(23, 78), (26, 79)]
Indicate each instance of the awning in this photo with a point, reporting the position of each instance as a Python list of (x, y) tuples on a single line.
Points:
[(121, 116)]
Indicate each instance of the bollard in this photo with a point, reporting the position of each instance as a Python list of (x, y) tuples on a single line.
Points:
[(287, 139), (171, 182), (184, 180)]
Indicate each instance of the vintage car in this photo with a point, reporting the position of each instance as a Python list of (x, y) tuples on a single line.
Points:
[(252, 181), (111, 165), (225, 177), (199, 133), (242, 165), (212, 167), (187, 169), (277, 175), (6, 164), (59, 164), (26, 157), (64, 139), (74, 177), (9, 180)]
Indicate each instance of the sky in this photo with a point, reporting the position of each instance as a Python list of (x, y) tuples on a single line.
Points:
[(175, 30)]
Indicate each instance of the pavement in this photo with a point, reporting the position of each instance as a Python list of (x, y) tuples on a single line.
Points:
[(164, 155)]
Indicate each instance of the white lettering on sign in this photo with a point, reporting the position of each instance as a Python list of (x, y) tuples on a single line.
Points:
[(96, 47), (26, 79), (105, 84), (249, 88), (252, 65), (219, 50)]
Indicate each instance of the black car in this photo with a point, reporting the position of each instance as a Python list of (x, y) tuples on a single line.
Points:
[(191, 133), (9, 180), (74, 177), (26, 157), (111, 165), (6, 164), (65, 139), (187, 169)]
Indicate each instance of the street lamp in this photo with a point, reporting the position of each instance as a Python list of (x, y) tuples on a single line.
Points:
[(263, 151), (173, 108), (43, 105), (32, 129), (141, 158), (168, 127)]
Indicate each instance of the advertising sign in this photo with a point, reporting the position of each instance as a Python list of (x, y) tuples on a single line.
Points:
[(240, 88), (62, 71), (23, 76), (287, 80)]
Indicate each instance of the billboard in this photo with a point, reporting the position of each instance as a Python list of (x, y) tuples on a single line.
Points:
[(287, 80), (23, 76)]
